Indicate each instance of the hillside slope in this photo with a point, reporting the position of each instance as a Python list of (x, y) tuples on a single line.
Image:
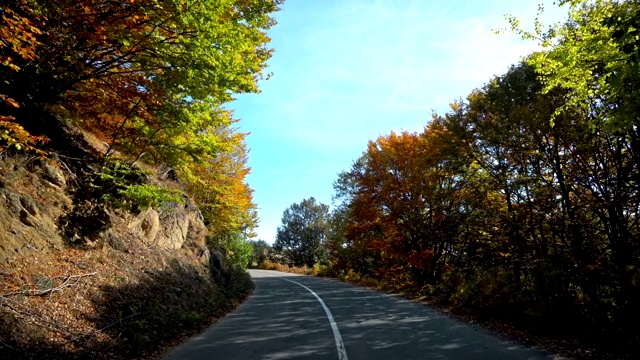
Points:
[(82, 278)]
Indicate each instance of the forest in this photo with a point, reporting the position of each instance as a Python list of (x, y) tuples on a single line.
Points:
[(520, 202)]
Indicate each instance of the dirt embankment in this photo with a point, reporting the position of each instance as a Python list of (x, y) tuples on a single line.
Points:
[(139, 284)]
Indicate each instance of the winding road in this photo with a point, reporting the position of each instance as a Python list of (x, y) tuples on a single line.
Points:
[(302, 317)]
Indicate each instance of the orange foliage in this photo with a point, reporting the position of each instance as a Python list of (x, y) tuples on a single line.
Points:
[(17, 36), (219, 187), (405, 193), (18, 33)]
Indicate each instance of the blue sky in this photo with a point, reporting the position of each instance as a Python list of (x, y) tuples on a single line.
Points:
[(348, 71)]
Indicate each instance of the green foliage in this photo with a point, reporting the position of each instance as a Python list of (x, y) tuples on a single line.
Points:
[(594, 56), (238, 251), (148, 196), (125, 186), (260, 253), (116, 176)]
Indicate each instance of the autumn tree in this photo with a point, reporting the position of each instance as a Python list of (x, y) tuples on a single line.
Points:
[(303, 234), (148, 76), (401, 203), (593, 58), (152, 79), (218, 184), (522, 200), (503, 205), (17, 44)]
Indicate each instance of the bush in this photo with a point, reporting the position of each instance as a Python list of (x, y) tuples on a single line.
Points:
[(127, 187), (237, 251), (485, 291), (147, 196)]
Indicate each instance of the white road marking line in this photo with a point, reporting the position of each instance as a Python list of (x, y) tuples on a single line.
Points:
[(342, 352)]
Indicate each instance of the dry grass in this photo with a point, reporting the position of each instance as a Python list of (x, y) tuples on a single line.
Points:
[(315, 270), (125, 305)]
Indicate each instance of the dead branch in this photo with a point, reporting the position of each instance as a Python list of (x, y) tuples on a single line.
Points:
[(44, 321), (69, 281), (3, 344), (73, 175)]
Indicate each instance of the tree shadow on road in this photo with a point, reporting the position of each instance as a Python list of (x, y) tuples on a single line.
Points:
[(283, 320), (272, 324)]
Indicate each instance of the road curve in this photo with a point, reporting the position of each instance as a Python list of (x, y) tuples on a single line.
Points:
[(285, 319)]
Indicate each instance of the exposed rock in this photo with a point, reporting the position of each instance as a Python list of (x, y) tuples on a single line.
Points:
[(128, 263), (27, 224), (115, 242), (197, 233), (146, 226), (36, 209), (54, 175), (175, 227), (25, 218), (196, 242), (29, 204)]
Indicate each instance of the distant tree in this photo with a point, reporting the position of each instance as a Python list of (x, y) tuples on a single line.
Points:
[(303, 234), (261, 250)]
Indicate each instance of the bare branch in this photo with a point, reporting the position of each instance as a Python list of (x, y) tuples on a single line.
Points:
[(69, 281)]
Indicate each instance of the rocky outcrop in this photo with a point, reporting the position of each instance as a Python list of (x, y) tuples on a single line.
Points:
[(179, 227), (30, 204), (114, 279), (37, 213), (146, 226)]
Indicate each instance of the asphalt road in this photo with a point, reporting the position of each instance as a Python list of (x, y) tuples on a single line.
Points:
[(302, 317)]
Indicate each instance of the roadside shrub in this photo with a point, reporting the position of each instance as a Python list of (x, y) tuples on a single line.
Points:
[(239, 283), (316, 269), (349, 275), (270, 265), (237, 251), (142, 317), (483, 291)]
